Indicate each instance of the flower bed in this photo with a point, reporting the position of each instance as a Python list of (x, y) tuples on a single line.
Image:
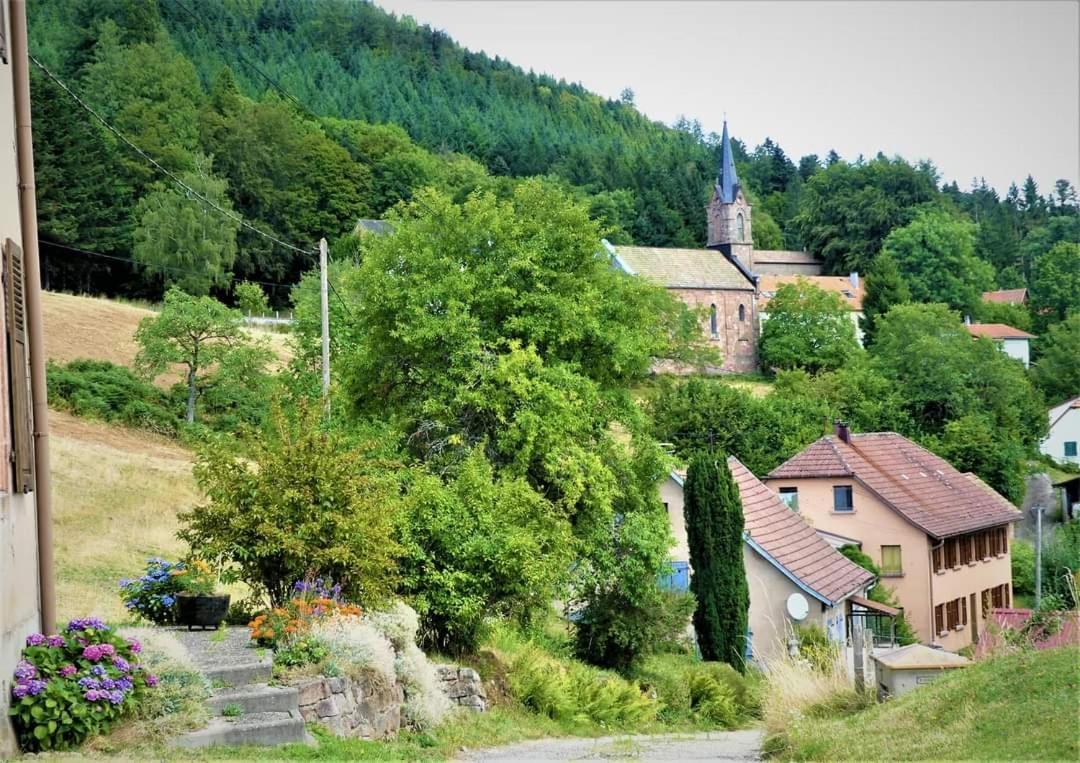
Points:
[(73, 685)]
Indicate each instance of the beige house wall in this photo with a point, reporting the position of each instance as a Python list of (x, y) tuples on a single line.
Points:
[(672, 496), (969, 581), (19, 602)]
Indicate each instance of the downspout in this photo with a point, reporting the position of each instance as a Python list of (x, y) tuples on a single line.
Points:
[(933, 620), (24, 148)]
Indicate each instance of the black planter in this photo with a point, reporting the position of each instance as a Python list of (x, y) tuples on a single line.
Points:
[(201, 611)]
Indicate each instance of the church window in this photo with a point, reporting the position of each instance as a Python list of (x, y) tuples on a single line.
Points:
[(742, 312), (712, 321), (740, 227)]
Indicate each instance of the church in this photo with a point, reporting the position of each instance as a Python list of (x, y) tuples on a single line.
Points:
[(723, 279)]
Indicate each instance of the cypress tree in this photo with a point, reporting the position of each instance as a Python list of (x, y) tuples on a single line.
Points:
[(884, 288), (714, 530)]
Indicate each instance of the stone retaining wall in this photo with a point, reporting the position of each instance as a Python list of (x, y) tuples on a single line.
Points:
[(463, 686), (353, 708)]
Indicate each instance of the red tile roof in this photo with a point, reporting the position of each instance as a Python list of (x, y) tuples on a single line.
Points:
[(926, 489), (997, 331), (793, 544), (1006, 296), (851, 295)]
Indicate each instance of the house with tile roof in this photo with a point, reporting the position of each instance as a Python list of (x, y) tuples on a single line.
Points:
[(1006, 296), (1012, 341), (783, 556), (1064, 434), (849, 288), (940, 536)]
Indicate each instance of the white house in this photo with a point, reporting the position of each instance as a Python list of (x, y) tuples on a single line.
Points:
[(1061, 443), (1013, 342), (783, 557)]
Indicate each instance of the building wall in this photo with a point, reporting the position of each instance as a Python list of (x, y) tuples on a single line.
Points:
[(672, 496), (1017, 348), (722, 225), (968, 581), (736, 340), (19, 602), (1067, 429), (873, 524)]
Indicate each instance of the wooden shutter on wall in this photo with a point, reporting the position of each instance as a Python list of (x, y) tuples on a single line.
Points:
[(22, 437)]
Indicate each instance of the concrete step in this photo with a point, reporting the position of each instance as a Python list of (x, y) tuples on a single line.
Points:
[(238, 674), (249, 729), (257, 698)]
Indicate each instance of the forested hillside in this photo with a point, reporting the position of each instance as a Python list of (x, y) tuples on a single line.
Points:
[(300, 116)]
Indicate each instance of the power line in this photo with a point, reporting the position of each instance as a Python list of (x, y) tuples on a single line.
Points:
[(168, 173)]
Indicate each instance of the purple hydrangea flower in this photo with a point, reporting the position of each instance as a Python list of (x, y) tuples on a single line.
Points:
[(92, 653), (168, 600), (108, 684), (151, 679), (68, 671), (93, 695), (24, 671), (86, 623), (36, 686), (126, 684), (116, 697), (35, 639), (20, 691), (89, 683), (98, 670), (56, 642), (136, 647), (121, 664)]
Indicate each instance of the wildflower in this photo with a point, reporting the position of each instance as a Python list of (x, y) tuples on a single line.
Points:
[(24, 671), (35, 639), (151, 679), (68, 671)]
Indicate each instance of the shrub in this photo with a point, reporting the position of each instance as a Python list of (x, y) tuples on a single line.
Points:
[(104, 390), (816, 648), (710, 693), (304, 500), (71, 686), (355, 647), (153, 595), (1061, 563), (306, 650), (1023, 567)]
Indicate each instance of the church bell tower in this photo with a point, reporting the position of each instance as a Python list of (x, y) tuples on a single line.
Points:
[(728, 212)]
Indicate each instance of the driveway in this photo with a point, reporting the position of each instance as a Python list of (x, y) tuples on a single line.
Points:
[(714, 745)]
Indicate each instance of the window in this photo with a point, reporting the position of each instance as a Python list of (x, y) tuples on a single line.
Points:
[(965, 549), (890, 561), (982, 545), (740, 227), (1070, 449), (950, 553), (713, 329), (790, 496), (953, 614), (841, 495), (939, 558), (19, 359), (939, 618), (742, 317)]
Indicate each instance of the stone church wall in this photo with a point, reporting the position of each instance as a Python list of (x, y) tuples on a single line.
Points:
[(735, 339)]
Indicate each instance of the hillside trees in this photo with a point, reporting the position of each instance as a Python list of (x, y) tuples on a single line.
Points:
[(1057, 371), (808, 327), (1055, 283), (714, 533), (884, 288)]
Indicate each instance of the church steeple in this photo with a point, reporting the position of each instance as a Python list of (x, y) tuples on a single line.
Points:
[(727, 182)]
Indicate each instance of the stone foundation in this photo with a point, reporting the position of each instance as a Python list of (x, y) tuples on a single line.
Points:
[(362, 708), (463, 686)]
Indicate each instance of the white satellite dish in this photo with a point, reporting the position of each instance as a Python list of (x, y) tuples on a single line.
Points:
[(797, 607)]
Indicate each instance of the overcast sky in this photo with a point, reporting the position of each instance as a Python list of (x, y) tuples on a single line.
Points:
[(988, 89)]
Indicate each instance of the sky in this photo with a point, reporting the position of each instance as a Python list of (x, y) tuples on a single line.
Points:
[(983, 89)]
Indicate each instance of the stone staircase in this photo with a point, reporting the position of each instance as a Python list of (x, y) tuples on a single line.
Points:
[(239, 676)]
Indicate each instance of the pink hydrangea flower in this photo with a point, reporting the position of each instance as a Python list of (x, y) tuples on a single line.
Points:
[(68, 671)]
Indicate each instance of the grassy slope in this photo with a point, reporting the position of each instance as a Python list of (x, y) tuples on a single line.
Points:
[(1018, 707)]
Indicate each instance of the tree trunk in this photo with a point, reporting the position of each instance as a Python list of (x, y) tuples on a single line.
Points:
[(191, 395)]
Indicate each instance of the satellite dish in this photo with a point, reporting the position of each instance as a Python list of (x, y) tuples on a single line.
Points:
[(797, 607)]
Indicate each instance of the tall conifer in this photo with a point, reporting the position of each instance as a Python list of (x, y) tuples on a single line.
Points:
[(714, 529)]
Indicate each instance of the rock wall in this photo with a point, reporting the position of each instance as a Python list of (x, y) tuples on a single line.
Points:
[(463, 686), (364, 708)]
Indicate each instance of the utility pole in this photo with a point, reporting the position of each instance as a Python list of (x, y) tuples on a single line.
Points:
[(325, 306), (1038, 509)]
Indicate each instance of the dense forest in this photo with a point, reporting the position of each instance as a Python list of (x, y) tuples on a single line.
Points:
[(296, 117)]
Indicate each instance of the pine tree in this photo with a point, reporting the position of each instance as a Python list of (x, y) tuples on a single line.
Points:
[(885, 287), (714, 530)]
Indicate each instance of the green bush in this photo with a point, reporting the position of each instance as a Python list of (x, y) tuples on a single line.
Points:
[(103, 390), (816, 648), (708, 693), (1061, 563), (1023, 568)]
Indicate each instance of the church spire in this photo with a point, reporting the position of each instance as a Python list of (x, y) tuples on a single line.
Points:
[(727, 182)]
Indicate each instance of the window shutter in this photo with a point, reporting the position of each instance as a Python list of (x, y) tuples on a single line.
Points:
[(19, 368)]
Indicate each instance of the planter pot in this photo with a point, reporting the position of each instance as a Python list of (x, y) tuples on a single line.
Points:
[(201, 611)]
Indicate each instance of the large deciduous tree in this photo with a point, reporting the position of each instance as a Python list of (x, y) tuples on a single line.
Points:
[(714, 533), (808, 327), (1055, 283), (1057, 371), (198, 334), (884, 288)]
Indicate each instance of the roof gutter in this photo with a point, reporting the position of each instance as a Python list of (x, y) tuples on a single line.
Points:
[(24, 148)]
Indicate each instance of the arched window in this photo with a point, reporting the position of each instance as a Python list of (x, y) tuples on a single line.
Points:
[(740, 227), (712, 320), (742, 312)]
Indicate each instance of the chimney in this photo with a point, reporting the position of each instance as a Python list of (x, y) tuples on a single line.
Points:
[(854, 278), (840, 428)]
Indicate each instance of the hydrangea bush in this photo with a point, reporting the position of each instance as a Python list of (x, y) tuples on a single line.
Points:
[(73, 685), (153, 595)]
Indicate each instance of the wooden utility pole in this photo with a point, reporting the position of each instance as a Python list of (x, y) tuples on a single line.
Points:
[(325, 307)]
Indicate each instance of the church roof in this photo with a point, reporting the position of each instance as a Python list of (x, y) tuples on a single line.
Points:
[(727, 182), (785, 257), (683, 268)]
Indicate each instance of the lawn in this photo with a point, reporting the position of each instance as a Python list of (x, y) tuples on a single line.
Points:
[(1016, 707)]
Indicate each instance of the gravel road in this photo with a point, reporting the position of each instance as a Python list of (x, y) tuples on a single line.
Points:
[(717, 745)]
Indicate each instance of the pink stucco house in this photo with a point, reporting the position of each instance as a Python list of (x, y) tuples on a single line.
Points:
[(941, 537)]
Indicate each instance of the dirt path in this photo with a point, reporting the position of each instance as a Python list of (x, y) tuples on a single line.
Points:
[(715, 745)]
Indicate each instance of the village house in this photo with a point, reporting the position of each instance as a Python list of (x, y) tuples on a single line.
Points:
[(783, 556), (1061, 442), (27, 598), (1012, 341), (1006, 296), (940, 537), (850, 290)]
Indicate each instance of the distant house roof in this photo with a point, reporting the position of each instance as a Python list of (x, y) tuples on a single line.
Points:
[(682, 268), (997, 331), (842, 285), (1059, 410), (781, 536), (1006, 296), (923, 488), (378, 227), (785, 257)]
